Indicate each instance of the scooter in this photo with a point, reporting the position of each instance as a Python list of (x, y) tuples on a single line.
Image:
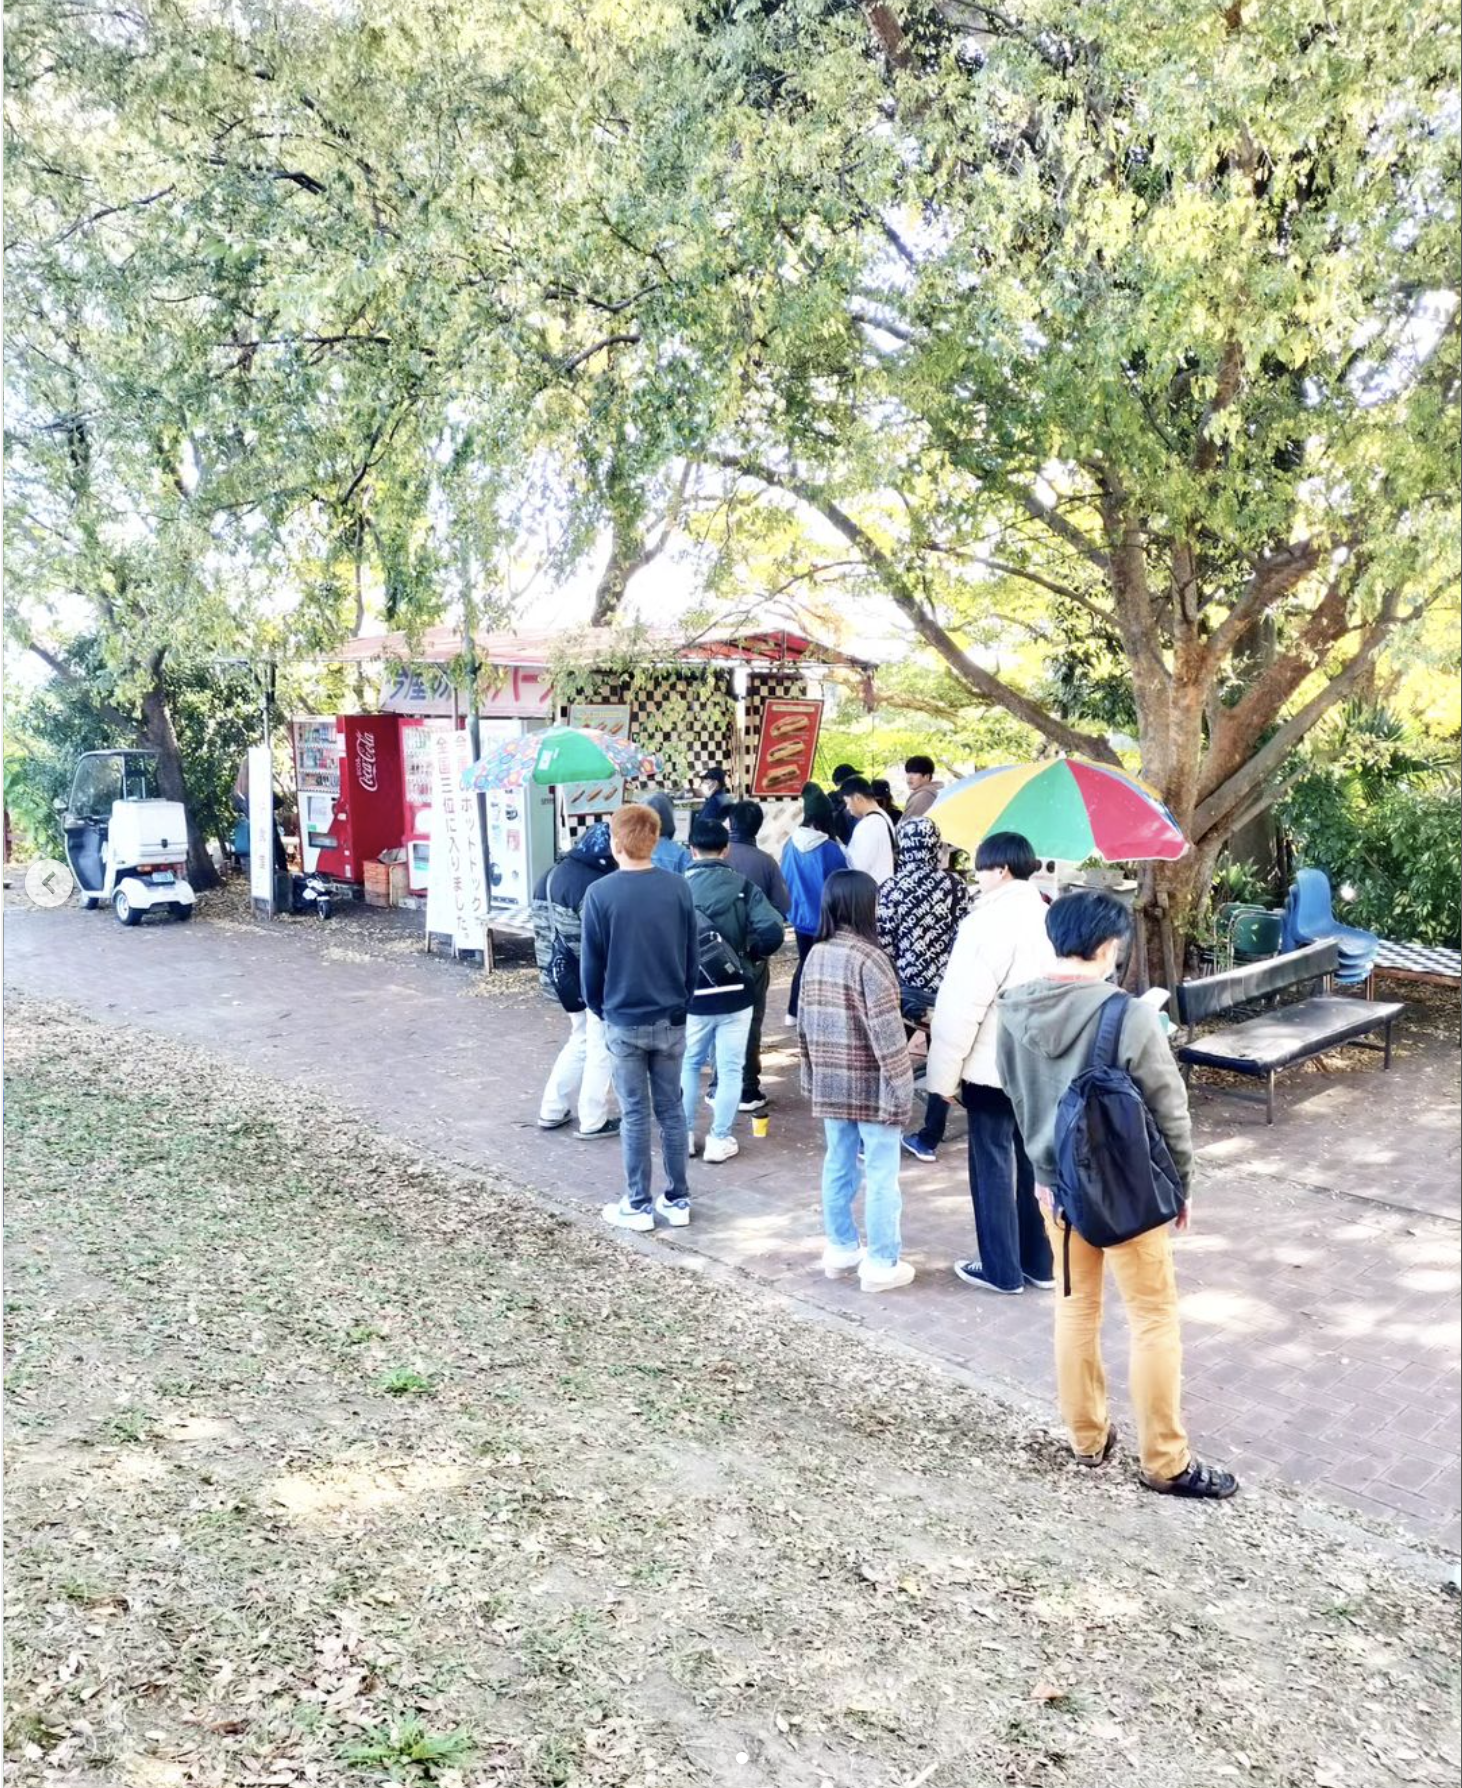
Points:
[(124, 844)]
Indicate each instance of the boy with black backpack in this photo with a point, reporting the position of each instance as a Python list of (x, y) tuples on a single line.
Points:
[(1103, 1113), (739, 929)]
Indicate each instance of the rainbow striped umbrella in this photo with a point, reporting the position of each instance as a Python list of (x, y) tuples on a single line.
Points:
[(1067, 807)]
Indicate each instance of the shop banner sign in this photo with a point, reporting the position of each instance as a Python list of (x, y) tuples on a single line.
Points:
[(597, 797), (788, 745), (456, 894)]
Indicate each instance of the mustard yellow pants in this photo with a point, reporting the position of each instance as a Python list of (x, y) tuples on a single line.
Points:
[(1143, 1269)]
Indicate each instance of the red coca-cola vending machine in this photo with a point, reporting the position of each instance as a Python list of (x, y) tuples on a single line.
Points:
[(348, 776)]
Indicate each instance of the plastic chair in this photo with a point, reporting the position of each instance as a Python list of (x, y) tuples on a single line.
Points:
[(1309, 919), (1255, 934)]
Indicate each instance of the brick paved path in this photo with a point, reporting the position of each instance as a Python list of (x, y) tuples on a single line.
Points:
[(1320, 1283)]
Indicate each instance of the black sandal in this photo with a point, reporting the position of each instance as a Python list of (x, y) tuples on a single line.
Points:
[(1199, 1480)]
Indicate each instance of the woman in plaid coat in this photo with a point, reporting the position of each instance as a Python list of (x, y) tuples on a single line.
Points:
[(855, 1069)]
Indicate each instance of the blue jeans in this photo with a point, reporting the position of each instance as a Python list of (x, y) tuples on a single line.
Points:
[(723, 1036), (882, 1204), (1009, 1228), (646, 1059)]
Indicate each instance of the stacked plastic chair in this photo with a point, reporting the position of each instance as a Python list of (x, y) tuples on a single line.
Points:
[(1249, 933), (1308, 919)]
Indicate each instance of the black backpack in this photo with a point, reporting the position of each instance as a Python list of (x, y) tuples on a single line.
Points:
[(563, 971), (1115, 1178)]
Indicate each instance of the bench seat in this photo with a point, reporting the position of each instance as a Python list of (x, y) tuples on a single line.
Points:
[(1283, 1035), (1289, 1034)]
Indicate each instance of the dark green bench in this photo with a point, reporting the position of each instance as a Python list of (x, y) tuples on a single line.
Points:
[(1285, 1034)]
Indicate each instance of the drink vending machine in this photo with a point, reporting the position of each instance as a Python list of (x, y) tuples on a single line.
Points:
[(348, 774), (416, 797)]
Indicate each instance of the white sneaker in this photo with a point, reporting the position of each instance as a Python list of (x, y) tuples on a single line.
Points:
[(840, 1260), (873, 1277), (676, 1215), (623, 1215), (719, 1148), (690, 1143)]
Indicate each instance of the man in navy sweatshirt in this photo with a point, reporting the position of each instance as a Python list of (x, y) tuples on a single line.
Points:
[(640, 964)]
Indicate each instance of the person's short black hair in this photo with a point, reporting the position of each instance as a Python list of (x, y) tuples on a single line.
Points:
[(918, 765), (849, 903), (747, 817), (709, 835), (842, 773), (1079, 923), (714, 773), (1008, 850), (855, 785)]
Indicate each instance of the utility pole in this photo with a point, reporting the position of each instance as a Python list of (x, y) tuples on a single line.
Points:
[(474, 743)]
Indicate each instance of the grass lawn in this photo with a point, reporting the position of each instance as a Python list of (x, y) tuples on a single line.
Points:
[(327, 1463)]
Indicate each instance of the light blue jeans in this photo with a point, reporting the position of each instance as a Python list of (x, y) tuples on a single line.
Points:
[(882, 1205), (722, 1035)]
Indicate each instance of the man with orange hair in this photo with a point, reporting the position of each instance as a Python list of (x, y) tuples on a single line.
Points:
[(640, 962)]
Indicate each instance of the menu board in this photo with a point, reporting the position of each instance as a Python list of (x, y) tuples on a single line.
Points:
[(788, 745), (597, 797)]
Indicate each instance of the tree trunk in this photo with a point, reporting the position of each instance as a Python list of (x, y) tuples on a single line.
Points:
[(157, 727)]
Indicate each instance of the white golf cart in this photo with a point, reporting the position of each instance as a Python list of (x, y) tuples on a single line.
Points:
[(123, 843)]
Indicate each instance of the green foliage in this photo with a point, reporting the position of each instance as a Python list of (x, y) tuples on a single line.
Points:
[(408, 1752), (215, 712), (401, 1381), (1239, 883), (1399, 851)]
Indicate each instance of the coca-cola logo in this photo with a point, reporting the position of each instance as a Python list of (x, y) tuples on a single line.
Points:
[(365, 761)]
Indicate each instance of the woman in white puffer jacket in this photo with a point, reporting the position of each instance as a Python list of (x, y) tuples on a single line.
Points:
[(1002, 944)]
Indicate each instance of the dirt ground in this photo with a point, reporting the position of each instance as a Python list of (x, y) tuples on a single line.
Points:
[(328, 1463)]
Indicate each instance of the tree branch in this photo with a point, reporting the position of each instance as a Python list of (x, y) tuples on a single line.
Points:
[(1062, 529), (1238, 789), (609, 341), (911, 605), (1272, 578), (67, 672)]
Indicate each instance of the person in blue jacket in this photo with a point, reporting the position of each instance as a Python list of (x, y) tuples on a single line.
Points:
[(809, 857), (670, 853)]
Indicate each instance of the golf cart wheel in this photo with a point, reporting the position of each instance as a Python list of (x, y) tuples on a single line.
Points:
[(181, 910), (90, 902), (126, 913), (322, 908)]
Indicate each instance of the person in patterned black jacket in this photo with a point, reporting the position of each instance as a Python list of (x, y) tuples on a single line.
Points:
[(919, 912)]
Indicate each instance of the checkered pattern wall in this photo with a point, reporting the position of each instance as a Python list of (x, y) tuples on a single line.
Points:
[(675, 705)]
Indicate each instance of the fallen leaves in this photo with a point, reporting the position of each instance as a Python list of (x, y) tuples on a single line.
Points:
[(640, 1526)]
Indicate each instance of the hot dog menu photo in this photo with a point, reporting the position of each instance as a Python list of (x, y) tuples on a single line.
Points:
[(788, 744)]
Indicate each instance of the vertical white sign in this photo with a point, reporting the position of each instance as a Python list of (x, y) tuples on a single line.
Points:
[(261, 831), (456, 895)]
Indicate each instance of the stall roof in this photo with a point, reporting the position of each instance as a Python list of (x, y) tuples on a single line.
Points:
[(439, 645)]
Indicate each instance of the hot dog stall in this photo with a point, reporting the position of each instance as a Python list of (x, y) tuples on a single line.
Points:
[(752, 702)]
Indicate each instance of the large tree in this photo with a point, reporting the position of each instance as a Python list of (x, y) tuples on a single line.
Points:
[(1153, 310), (1149, 312)]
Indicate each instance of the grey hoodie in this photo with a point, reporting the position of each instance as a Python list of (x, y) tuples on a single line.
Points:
[(1045, 1039)]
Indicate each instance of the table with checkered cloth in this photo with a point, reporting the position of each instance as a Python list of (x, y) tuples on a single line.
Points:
[(1419, 959)]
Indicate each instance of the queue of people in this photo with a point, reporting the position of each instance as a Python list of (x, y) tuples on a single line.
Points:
[(674, 970)]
